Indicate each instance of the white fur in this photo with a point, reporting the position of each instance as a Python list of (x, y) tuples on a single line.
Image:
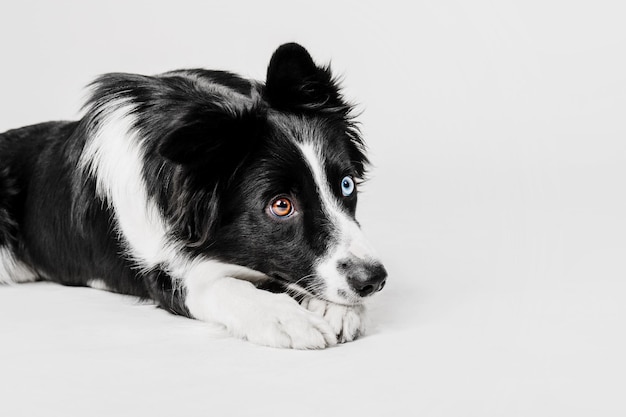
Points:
[(348, 322), (360, 249), (12, 270), (350, 238), (114, 156), (216, 292), (98, 284)]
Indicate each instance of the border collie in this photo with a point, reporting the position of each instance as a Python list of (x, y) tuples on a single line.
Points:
[(220, 198)]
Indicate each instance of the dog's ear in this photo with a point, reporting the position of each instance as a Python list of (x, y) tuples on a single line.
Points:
[(211, 141), (213, 137), (294, 82)]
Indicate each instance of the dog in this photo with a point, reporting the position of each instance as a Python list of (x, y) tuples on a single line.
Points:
[(220, 198)]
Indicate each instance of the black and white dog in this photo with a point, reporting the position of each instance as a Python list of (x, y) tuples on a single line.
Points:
[(220, 198)]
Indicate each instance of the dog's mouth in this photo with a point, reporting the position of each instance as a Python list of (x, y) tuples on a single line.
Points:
[(299, 290), (289, 285)]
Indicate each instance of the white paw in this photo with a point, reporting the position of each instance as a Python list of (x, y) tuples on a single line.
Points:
[(259, 316), (278, 321), (281, 322), (347, 322)]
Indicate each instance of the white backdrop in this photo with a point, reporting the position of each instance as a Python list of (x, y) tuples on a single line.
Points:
[(497, 200)]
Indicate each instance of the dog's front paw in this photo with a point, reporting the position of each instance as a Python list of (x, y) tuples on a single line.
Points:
[(347, 322), (281, 322)]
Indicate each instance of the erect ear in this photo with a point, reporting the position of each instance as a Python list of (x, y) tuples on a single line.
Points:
[(214, 138), (294, 82)]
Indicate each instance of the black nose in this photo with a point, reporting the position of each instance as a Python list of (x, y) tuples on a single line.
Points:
[(367, 279)]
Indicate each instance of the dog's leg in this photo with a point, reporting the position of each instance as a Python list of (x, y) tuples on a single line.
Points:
[(348, 322), (168, 293), (247, 312)]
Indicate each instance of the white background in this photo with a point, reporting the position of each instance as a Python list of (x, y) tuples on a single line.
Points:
[(497, 201)]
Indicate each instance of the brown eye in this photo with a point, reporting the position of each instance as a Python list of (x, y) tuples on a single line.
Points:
[(281, 207)]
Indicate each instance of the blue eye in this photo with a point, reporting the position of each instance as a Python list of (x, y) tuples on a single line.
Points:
[(347, 186)]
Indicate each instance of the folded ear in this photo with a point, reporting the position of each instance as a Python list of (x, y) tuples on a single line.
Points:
[(212, 140), (295, 82), (215, 138)]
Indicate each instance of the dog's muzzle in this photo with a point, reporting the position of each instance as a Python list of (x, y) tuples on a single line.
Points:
[(364, 277)]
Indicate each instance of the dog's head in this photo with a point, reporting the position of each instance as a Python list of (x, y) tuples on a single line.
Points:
[(261, 176)]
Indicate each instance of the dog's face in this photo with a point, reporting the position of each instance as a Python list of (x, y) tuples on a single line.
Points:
[(293, 213), (281, 187)]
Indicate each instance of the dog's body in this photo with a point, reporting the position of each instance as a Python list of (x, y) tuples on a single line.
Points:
[(220, 198)]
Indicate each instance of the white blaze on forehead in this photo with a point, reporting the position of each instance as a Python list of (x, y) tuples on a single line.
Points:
[(348, 231), (314, 160), (348, 238)]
